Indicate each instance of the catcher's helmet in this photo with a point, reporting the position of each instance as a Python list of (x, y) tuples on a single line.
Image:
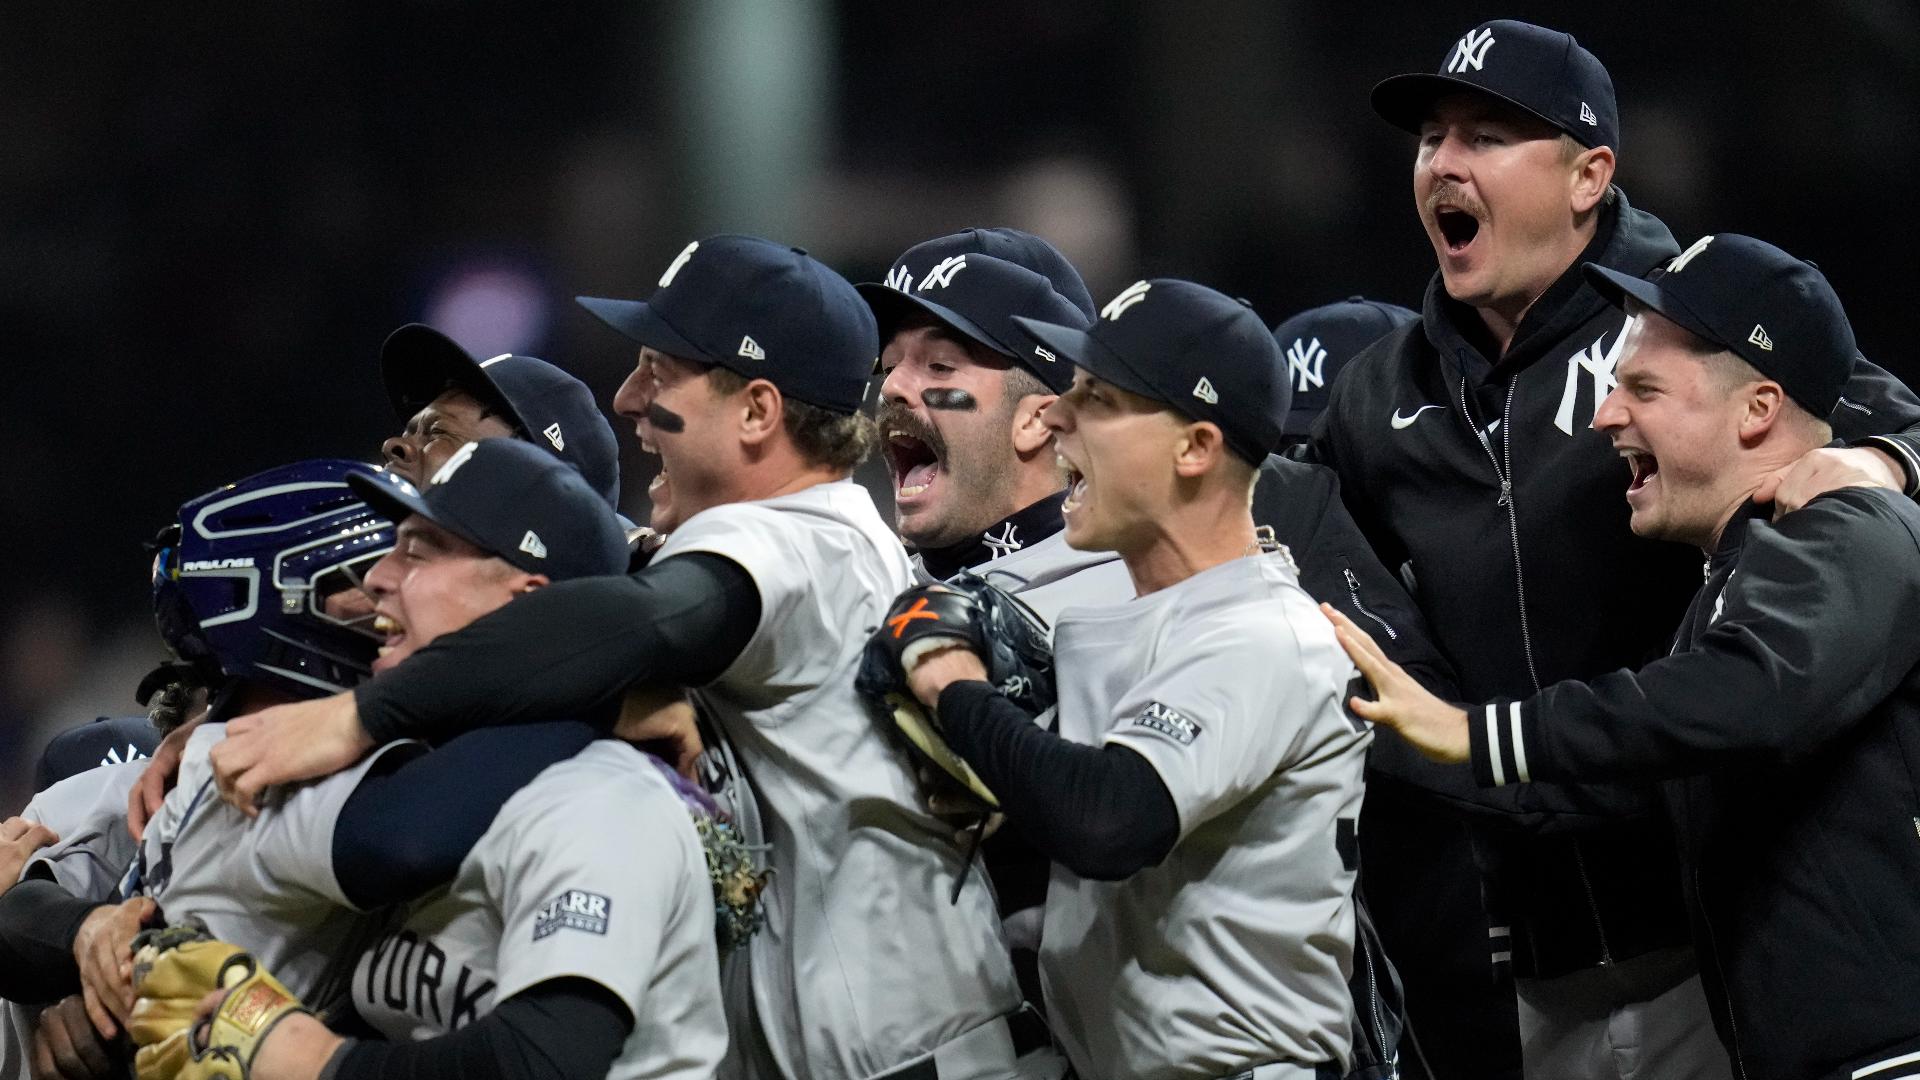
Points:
[(240, 582)]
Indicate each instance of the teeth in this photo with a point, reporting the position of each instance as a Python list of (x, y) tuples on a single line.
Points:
[(912, 490), (384, 625), (659, 480)]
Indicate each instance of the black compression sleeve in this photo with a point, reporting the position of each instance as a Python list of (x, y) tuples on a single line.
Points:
[(554, 1030), (1100, 811), (414, 817), (569, 650), (38, 922)]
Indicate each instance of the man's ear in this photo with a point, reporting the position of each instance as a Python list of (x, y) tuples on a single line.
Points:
[(1592, 175), (762, 410), (526, 583), (1199, 450), (1030, 432), (1766, 403)]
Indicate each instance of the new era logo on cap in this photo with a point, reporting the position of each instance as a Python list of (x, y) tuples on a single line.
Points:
[(1471, 52), (1128, 297), (1041, 352), (1205, 392), (531, 544), (1759, 337), (552, 432), (751, 349), (1587, 117)]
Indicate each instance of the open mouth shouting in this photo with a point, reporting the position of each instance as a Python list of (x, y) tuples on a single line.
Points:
[(1645, 468), (1076, 486), (917, 456), (1458, 228)]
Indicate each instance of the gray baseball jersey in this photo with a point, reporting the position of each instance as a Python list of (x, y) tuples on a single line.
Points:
[(1235, 950), (267, 884), (863, 965), (1050, 577), (89, 813), (593, 871)]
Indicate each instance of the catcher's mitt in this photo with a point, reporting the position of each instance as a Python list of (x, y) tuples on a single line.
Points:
[(1011, 641), (174, 968)]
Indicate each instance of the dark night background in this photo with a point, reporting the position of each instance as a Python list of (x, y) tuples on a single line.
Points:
[(211, 214)]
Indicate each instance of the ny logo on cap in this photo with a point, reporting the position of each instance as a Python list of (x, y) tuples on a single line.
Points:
[(1681, 260), (1307, 362), (679, 261), (751, 349), (1471, 52), (531, 544), (1586, 115), (1205, 392), (460, 457), (552, 432), (900, 278), (942, 275), (1759, 337), (1128, 297)]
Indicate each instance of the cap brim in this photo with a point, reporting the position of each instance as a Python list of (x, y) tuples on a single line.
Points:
[(1406, 101), (1617, 287), (416, 364), (1085, 352), (890, 304), (637, 321), (396, 506)]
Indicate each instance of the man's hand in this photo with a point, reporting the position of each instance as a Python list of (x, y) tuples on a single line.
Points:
[(302, 741), (103, 949), (65, 1046), (665, 721), (19, 839), (150, 791), (1827, 469), (1432, 726), (950, 664)]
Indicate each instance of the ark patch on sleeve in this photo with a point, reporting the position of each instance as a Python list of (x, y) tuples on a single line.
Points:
[(1169, 722), (572, 910)]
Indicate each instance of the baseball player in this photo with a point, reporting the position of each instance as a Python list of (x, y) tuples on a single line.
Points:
[(559, 942), (1463, 447), (241, 592), (1785, 714), (976, 483), (445, 399), (1200, 798), (753, 364)]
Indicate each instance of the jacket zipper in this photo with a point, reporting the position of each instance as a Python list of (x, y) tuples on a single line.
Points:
[(1373, 1002), (1713, 940), (1353, 590), (1505, 475)]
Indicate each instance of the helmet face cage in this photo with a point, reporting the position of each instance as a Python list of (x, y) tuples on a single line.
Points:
[(244, 591)]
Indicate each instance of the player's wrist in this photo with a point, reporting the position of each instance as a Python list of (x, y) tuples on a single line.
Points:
[(936, 669), (299, 1047)]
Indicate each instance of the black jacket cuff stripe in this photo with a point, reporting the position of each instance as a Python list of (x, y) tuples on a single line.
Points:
[(1499, 748)]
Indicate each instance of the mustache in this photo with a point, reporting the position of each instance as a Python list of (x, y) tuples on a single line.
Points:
[(1453, 195), (664, 419), (894, 417)]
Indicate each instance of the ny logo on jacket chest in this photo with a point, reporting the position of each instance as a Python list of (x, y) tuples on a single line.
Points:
[(1597, 360)]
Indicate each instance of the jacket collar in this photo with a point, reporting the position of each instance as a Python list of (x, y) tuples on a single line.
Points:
[(1028, 525)]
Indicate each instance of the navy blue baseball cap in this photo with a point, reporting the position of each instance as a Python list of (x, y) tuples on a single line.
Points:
[(1774, 311), (976, 295), (512, 501), (1541, 71), (555, 410), (761, 310), (1202, 353), (1317, 344)]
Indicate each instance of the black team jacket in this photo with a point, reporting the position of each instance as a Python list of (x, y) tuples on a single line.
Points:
[(1488, 480), (1788, 719)]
